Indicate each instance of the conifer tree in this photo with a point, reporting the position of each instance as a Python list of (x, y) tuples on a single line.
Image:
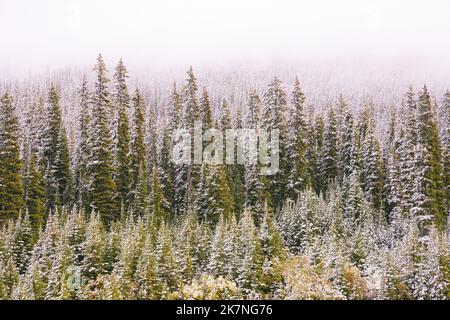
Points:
[(249, 254), (187, 175), (314, 153), (274, 118), (56, 153), (166, 171), (174, 109), (428, 136), (11, 185), (138, 163), (167, 277), (103, 188), (158, 201), (405, 145), (83, 148), (205, 110), (346, 142), (257, 193), (272, 249), (35, 194), (372, 169), (216, 199), (236, 172), (444, 116), (329, 151), (122, 174), (296, 145)]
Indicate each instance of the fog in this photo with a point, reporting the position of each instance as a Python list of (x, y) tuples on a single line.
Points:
[(50, 34)]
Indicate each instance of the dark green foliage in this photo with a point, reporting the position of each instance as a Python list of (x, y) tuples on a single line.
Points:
[(11, 186)]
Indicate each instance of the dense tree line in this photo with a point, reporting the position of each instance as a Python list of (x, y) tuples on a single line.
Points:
[(109, 182)]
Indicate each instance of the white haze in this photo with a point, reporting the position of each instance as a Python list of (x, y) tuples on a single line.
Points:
[(172, 34)]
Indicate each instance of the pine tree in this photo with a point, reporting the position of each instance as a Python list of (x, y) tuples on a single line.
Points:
[(273, 253), (174, 110), (22, 243), (249, 254), (346, 142), (167, 277), (405, 145), (11, 185), (216, 199), (444, 116), (296, 145), (138, 163), (35, 194), (257, 194), (218, 264), (236, 172), (158, 201), (187, 175), (57, 160), (274, 119), (166, 171), (205, 110), (83, 148), (329, 151), (103, 188), (428, 136), (314, 153), (122, 176), (371, 169)]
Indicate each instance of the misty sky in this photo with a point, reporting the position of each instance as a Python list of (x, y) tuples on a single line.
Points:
[(51, 33)]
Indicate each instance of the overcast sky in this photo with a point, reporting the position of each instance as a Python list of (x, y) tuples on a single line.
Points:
[(53, 33)]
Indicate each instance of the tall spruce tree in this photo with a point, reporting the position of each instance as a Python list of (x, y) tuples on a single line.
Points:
[(428, 137), (35, 193), (187, 176), (122, 176), (11, 185), (329, 150), (103, 188), (138, 163), (296, 144), (56, 156), (83, 148), (444, 117), (405, 145), (274, 119), (257, 194)]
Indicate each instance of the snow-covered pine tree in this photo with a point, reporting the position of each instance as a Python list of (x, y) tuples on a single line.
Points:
[(296, 143), (444, 117), (35, 193), (83, 149), (122, 175), (236, 172), (56, 153), (166, 169), (273, 118), (405, 146), (103, 188), (249, 255), (346, 141), (257, 193), (138, 187), (11, 186), (273, 253), (372, 169), (205, 110), (428, 137), (329, 151), (314, 152), (187, 176)]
